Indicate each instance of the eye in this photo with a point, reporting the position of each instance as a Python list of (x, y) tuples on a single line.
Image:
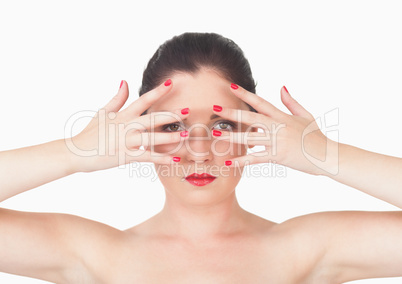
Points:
[(226, 125), (173, 127)]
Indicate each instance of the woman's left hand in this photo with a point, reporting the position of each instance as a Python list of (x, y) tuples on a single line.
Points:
[(293, 140)]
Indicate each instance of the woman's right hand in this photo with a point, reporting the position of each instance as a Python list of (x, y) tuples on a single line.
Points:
[(114, 137)]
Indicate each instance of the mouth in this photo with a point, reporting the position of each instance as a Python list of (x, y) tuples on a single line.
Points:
[(200, 179)]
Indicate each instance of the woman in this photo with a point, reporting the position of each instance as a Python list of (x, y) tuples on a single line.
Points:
[(196, 116)]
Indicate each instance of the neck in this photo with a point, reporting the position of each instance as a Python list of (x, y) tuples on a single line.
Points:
[(196, 221)]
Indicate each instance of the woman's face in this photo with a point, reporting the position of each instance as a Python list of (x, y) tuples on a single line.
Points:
[(201, 152)]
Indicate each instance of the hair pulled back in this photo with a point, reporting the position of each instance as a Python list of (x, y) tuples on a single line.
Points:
[(190, 52)]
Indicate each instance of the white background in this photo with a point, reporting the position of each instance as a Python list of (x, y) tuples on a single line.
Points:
[(59, 57)]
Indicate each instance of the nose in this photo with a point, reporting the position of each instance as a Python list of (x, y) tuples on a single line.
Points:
[(198, 145)]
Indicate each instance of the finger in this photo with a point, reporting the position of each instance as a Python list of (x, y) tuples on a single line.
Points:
[(153, 157), (147, 139), (250, 159), (247, 138), (147, 99), (119, 99), (292, 105), (152, 120), (258, 103), (251, 118)]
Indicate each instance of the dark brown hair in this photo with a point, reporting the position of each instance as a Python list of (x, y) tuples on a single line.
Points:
[(190, 52)]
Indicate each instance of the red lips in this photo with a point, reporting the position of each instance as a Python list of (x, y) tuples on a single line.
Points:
[(200, 179), (203, 175)]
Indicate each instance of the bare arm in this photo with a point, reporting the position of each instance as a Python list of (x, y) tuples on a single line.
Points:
[(356, 245), (27, 168), (351, 245), (297, 142), (54, 247), (375, 174)]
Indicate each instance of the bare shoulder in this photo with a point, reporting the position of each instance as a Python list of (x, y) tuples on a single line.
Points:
[(335, 223), (89, 242), (328, 222), (92, 241), (52, 246), (335, 243), (302, 242)]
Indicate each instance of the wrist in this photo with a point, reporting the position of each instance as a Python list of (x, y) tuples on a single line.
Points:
[(69, 155), (330, 165)]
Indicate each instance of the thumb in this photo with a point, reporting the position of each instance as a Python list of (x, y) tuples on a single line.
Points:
[(292, 105), (119, 99)]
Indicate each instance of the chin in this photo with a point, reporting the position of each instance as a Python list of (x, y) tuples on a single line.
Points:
[(211, 193)]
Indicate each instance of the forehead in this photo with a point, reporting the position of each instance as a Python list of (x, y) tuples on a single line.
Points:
[(198, 92)]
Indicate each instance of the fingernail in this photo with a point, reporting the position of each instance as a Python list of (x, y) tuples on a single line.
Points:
[(184, 110), (286, 90), (184, 133), (176, 159), (234, 86), (228, 163), (168, 82), (216, 133), (121, 84), (217, 108)]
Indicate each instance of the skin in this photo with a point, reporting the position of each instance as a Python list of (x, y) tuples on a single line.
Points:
[(214, 208), (202, 235)]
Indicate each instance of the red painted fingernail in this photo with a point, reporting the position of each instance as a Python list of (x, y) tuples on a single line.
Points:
[(176, 159), (184, 133), (121, 84), (168, 82), (286, 90), (217, 108), (216, 133), (184, 110), (228, 163), (234, 86)]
